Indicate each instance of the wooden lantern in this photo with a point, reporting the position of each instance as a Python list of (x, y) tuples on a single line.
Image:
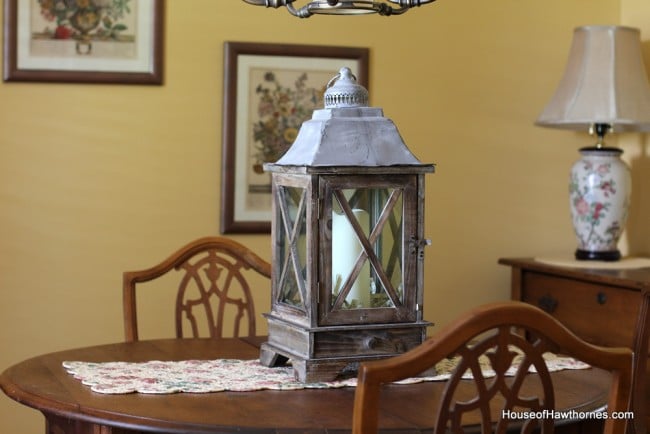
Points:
[(347, 231)]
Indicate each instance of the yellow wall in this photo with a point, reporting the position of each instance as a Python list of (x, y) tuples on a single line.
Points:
[(97, 179), (636, 13)]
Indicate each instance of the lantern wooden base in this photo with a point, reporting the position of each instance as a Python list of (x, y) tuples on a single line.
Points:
[(325, 353)]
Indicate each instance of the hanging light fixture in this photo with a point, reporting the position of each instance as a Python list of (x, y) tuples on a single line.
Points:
[(343, 7)]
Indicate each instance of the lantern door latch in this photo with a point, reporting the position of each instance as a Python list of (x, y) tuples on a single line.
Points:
[(417, 246)]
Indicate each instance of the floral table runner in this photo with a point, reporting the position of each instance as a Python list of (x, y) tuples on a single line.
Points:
[(203, 376)]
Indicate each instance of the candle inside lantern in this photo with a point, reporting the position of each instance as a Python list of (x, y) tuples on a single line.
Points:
[(345, 251)]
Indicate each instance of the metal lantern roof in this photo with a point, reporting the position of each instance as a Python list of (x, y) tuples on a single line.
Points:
[(347, 132)]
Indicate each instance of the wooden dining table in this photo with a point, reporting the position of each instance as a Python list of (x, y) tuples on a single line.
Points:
[(72, 407)]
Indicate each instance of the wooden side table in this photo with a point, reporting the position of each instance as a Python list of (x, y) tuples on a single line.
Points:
[(603, 306)]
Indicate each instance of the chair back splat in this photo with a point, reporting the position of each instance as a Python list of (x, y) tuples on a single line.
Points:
[(214, 286), (502, 336)]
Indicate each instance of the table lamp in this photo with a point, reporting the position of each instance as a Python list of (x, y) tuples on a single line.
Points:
[(604, 89)]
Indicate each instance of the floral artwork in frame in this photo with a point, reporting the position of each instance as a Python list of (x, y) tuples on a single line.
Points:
[(269, 91), (281, 110), (83, 41)]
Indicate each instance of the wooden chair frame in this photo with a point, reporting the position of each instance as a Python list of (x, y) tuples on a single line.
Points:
[(219, 254), (512, 321), (641, 363)]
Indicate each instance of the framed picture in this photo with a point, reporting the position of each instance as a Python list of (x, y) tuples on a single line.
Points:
[(89, 41), (269, 90)]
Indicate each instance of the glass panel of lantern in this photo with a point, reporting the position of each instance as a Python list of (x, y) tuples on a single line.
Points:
[(292, 244), (355, 283), (369, 230)]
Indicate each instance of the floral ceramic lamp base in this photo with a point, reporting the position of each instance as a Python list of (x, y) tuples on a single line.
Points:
[(599, 192)]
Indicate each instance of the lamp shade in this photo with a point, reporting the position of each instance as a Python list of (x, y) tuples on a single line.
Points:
[(605, 82)]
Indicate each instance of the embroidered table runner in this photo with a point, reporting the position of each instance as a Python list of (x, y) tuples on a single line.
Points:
[(203, 376)]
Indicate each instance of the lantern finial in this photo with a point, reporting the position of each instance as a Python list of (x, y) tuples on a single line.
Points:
[(344, 91)]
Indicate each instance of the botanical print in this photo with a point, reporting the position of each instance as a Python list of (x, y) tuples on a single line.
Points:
[(592, 203), (280, 101), (281, 111), (101, 28)]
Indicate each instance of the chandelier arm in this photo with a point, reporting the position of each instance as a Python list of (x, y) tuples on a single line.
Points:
[(387, 11), (303, 12), (270, 3), (410, 3), (336, 6)]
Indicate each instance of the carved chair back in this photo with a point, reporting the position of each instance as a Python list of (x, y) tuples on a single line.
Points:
[(214, 274), (498, 334)]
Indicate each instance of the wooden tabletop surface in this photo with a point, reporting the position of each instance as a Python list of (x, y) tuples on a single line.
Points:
[(70, 407)]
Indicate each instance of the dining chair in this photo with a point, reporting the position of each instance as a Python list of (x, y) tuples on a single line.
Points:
[(641, 382), (494, 331), (213, 277)]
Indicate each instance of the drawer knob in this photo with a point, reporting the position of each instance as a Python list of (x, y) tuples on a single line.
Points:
[(601, 298), (547, 303), (384, 344)]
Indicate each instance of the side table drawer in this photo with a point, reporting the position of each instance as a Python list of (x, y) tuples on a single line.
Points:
[(600, 314)]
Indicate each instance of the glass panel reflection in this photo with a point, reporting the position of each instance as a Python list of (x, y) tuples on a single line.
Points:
[(367, 248)]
